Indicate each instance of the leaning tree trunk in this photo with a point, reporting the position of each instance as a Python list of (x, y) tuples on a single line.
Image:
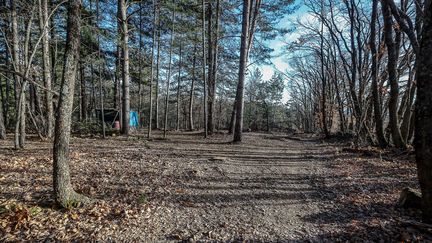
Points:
[(423, 116), (63, 191), (242, 72)]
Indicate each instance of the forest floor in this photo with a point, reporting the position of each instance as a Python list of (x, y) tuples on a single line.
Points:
[(270, 188)]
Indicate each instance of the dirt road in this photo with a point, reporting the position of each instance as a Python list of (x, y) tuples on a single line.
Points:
[(270, 188), (259, 190)]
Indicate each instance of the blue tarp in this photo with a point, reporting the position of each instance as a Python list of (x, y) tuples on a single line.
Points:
[(134, 121)]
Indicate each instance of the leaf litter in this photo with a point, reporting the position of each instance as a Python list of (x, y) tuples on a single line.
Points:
[(270, 188)]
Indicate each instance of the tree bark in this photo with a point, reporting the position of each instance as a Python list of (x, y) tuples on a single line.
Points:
[(178, 89), (157, 71), (392, 75), (83, 94), (242, 72), (101, 93), (210, 67), (169, 74), (17, 68), (213, 66), (323, 83), (232, 119), (63, 191), (192, 90), (204, 71), (122, 8), (2, 124), (423, 116), (44, 26), (155, 17), (374, 75)]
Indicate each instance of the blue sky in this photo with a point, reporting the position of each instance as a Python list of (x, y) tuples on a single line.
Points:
[(280, 62)]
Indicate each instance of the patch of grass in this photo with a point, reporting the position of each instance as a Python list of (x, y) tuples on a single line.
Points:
[(142, 199), (3, 209), (72, 203), (35, 210)]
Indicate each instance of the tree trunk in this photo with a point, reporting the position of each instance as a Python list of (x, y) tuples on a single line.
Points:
[(392, 75), (122, 8), (220, 116), (374, 65), (155, 17), (2, 124), (83, 95), (140, 63), (192, 90), (169, 75), (44, 26), (101, 93), (204, 70), (63, 191), (116, 87), (178, 89), (423, 116), (242, 72), (53, 56), (157, 72), (213, 65), (232, 119), (17, 68), (323, 83), (210, 67)]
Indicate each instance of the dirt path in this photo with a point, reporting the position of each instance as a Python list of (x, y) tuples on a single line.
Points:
[(259, 190), (270, 188)]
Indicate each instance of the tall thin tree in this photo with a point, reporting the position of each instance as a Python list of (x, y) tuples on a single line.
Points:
[(122, 8), (169, 71), (204, 77), (150, 119), (239, 103)]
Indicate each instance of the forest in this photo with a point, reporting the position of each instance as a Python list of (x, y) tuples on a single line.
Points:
[(216, 120)]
